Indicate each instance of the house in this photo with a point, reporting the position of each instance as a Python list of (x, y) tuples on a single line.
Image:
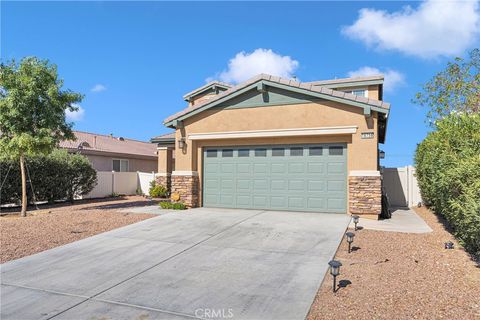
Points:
[(278, 144), (109, 153)]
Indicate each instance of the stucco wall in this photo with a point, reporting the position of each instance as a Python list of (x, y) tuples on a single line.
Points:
[(104, 163), (362, 153)]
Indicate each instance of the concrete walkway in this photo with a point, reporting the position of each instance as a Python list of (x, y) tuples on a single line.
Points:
[(403, 220), (199, 263)]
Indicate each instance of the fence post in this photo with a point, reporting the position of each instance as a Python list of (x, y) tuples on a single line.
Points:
[(113, 182)]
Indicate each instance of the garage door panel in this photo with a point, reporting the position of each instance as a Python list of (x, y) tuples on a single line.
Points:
[(244, 201), (302, 178), (278, 184), (244, 168), (280, 168), (316, 167), (296, 202), (315, 203), (260, 201), (335, 185), (227, 185), (260, 184), (316, 185), (244, 185), (226, 199), (260, 168), (278, 202), (336, 168), (296, 167), (296, 185)]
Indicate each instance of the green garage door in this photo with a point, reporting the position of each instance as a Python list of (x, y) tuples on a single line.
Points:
[(283, 177)]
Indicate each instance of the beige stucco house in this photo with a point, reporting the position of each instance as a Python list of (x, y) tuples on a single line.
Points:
[(109, 153), (278, 144)]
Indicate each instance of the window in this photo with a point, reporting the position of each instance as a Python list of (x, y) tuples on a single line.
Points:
[(278, 152), (120, 165), (335, 151), (315, 151), (227, 153), (296, 152), (358, 92), (243, 152), (260, 152), (211, 153)]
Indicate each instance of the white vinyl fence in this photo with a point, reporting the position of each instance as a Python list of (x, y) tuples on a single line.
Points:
[(125, 183), (401, 186)]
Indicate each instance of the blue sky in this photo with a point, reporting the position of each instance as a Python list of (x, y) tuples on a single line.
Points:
[(134, 61)]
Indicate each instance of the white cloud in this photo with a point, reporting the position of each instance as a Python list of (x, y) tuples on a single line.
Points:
[(435, 28), (75, 115), (98, 88), (393, 78), (246, 65)]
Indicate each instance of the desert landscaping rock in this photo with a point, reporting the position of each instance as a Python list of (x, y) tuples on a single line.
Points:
[(61, 224), (392, 275)]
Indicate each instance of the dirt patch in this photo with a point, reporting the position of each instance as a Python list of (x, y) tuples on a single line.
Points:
[(53, 226), (394, 275)]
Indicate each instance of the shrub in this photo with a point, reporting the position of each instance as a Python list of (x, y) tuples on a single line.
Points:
[(448, 173), (157, 190), (173, 205), (57, 176)]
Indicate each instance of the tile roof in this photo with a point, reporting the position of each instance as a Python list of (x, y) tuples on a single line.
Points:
[(208, 85), (308, 86), (379, 77), (107, 143), (164, 137)]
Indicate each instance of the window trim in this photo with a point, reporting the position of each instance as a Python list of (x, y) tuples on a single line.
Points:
[(120, 164)]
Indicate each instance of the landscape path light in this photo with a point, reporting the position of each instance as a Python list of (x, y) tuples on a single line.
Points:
[(355, 221), (350, 236), (335, 271)]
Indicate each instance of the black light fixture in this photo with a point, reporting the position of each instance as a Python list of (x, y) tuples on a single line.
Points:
[(335, 271), (181, 143), (355, 221), (350, 236)]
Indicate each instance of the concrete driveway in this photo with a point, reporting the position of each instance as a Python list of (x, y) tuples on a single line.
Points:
[(199, 263)]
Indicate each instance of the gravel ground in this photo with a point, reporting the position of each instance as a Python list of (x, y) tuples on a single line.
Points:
[(402, 276), (53, 226)]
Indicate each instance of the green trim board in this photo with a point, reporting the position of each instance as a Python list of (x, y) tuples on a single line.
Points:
[(271, 85)]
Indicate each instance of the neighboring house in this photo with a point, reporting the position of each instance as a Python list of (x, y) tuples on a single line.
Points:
[(109, 153), (277, 144)]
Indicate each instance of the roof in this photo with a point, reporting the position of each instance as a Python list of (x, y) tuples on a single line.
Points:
[(206, 87), (165, 138), (109, 144), (350, 82), (308, 88)]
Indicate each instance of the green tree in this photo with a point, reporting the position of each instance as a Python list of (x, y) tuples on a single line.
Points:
[(453, 90), (32, 111)]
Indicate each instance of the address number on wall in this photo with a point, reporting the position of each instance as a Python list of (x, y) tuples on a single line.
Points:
[(367, 135)]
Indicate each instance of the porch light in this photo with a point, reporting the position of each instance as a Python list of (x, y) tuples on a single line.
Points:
[(335, 271), (350, 236), (181, 143), (355, 221), (381, 153)]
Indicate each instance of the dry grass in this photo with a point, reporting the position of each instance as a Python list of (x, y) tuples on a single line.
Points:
[(56, 225), (402, 276)]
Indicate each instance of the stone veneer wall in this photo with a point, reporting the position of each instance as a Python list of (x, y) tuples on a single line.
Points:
[(365, 195), (187, 187), (164, 181)]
